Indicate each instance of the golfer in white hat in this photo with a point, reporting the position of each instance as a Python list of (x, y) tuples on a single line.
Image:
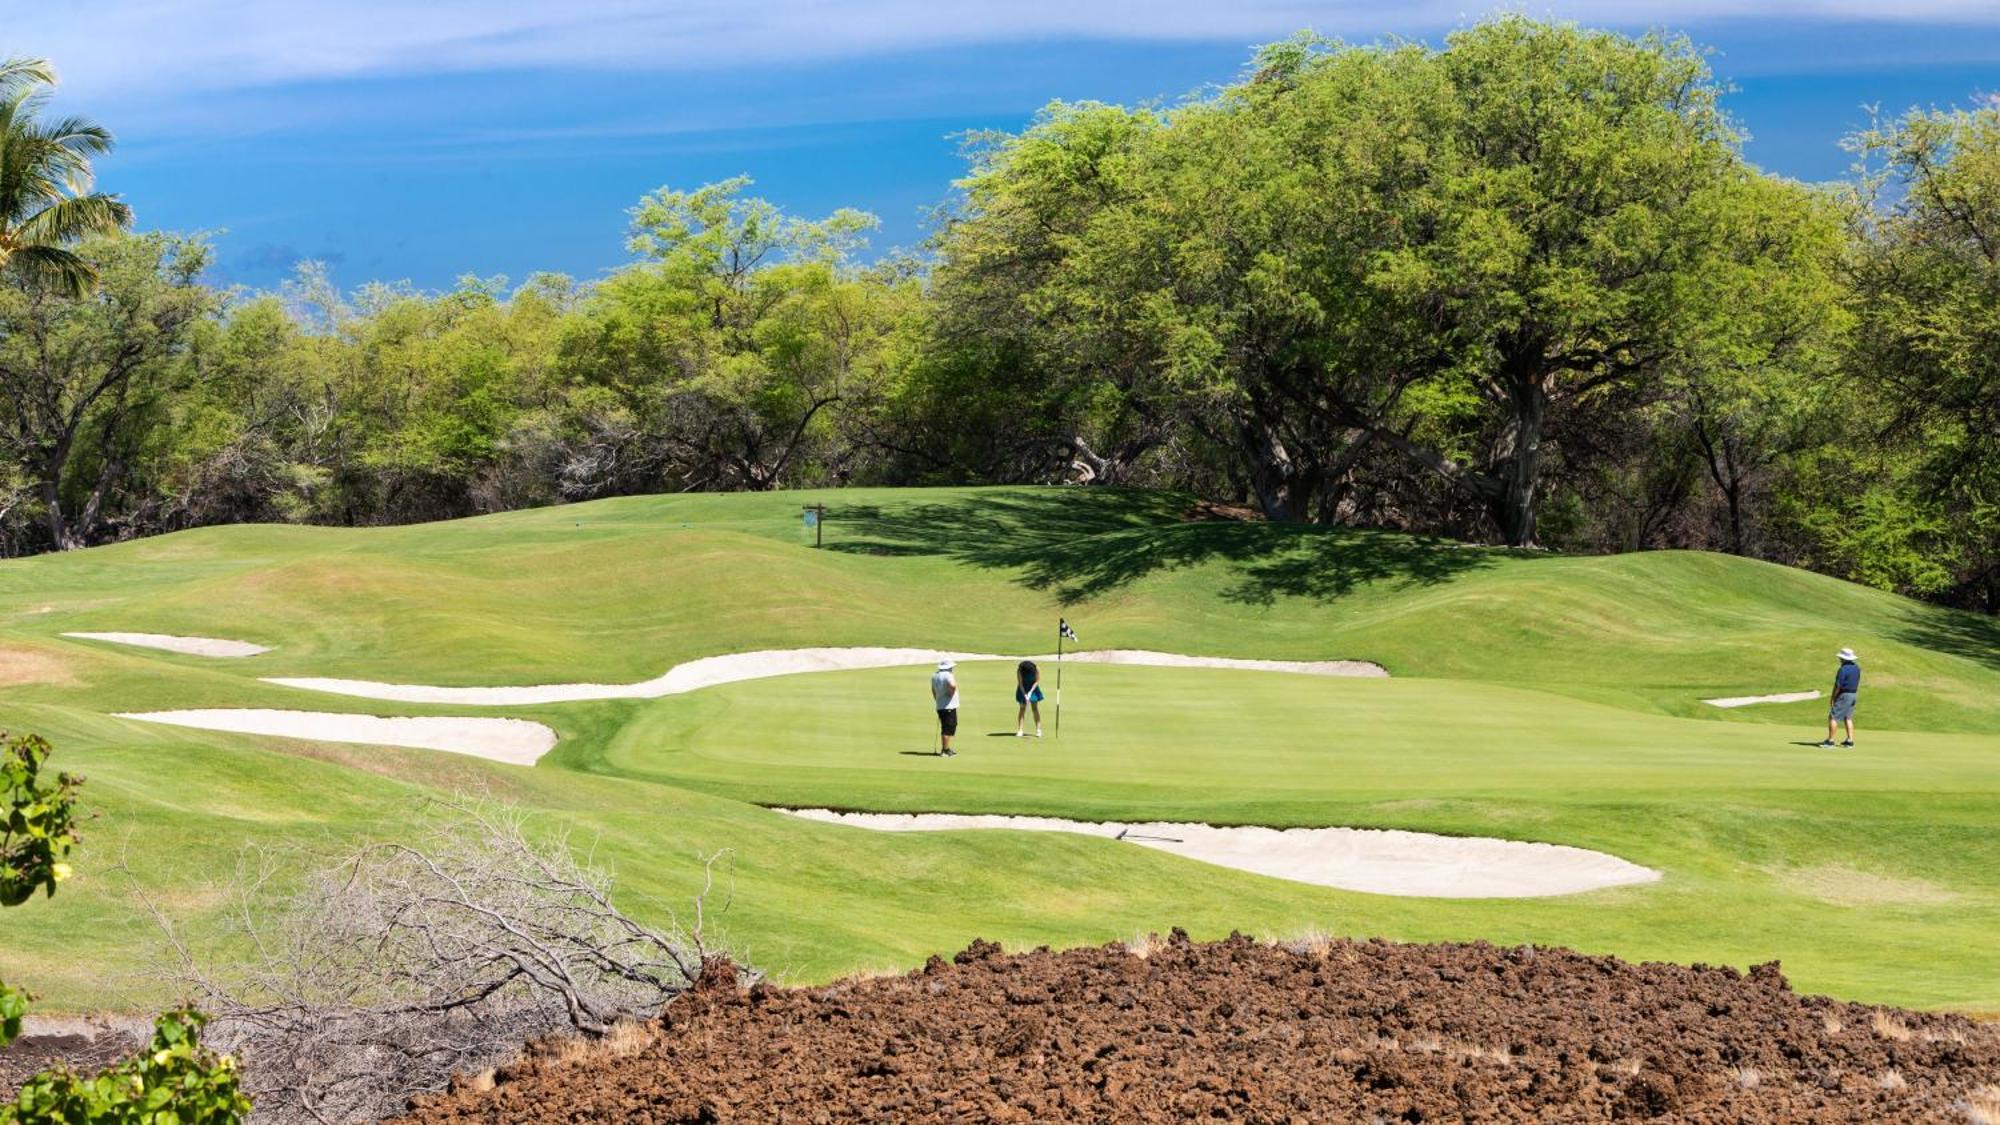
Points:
[(1846, 686), (944, 692)]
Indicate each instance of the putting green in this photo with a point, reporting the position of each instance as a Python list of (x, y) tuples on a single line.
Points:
[(1537, 697)]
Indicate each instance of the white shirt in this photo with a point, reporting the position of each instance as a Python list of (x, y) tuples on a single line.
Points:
[(944, 689)]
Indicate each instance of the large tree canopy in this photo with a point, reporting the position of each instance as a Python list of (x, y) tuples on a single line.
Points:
[(741, 342), (1440, 253), (1916, 500), (84, 376)]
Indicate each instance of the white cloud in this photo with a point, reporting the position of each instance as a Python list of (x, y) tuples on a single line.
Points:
[(138, 47)]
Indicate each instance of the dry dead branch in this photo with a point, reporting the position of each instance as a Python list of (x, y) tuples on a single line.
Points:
[(405, 963)]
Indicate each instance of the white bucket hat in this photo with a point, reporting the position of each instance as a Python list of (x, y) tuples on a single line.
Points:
[(946, 665), (1847, 654)]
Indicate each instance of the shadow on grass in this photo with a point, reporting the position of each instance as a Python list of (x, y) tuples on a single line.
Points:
[(1973, 636), (1084, 543)]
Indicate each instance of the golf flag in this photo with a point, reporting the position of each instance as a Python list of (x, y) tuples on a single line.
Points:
[(1063, 633)]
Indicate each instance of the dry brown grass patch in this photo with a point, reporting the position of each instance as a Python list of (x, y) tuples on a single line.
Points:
[(1889, 1027), (1313, 943), (625, 1039), (1983, 1105), (22, 666), (1484, 1054)]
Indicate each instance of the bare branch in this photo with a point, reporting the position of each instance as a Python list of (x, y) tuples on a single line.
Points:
[(402, 964)]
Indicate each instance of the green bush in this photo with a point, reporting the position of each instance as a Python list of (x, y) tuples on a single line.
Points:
[(176, 1081), (37, 821)]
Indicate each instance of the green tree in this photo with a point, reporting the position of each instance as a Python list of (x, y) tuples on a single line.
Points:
[(1034, 362), (1926, 361), (1754, 380), (82, 374), (46, 201), (1440, 254), (736, 339)]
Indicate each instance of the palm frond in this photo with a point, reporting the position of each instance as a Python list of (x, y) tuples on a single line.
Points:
[(63, 150), (24, 71), (69, 219), (53, 268), (80, 135), (45, 178), (26, 185), (43, 163)]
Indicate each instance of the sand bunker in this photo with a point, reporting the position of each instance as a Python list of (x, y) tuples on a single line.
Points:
[(1377, 861), (515, 741), (192, 646), (711, 670), (1747, 700)]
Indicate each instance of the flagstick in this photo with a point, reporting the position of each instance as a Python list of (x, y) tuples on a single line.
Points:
[(1059, 651)]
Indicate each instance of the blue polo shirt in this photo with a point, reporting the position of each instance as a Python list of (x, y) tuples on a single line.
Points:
[(1848, 678)]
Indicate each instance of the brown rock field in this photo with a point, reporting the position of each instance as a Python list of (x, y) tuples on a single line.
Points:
[(1240, 1030)]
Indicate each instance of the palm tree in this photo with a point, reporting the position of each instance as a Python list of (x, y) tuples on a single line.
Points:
[(46, 204)]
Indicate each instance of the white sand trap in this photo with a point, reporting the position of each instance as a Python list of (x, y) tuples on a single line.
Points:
[(711, 670), (1377, 861), (193, 646), (515, 741), (1747, 700)]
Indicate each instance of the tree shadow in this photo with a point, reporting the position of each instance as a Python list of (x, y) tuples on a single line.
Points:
[(1081, 544), (1959, 632)]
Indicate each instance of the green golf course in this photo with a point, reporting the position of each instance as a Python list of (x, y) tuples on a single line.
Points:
[(1532, 696)]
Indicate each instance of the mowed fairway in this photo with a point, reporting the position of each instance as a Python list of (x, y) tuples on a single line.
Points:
[(1536, 698)]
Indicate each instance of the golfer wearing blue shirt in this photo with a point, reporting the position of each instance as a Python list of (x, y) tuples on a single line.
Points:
[(1846, 686), (1027, 693)]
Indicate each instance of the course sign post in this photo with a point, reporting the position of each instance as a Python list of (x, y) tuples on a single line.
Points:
[(815, 517)]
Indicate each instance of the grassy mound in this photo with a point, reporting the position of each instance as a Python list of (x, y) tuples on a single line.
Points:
[(1536, 697)]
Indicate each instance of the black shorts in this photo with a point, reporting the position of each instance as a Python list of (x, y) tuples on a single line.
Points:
[(948, 721)]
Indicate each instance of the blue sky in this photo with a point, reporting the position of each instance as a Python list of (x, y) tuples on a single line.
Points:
[(423, 142)]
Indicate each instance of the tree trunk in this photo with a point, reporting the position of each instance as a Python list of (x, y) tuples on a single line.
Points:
[(1723, 470), (1270, 470), (1733, 492), (1519, 463), (1084, 461), (61, 536)]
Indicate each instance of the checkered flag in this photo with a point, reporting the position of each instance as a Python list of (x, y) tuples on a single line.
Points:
[(1063, 633)]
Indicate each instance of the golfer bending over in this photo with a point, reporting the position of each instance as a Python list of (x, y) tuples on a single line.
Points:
[(944, 692), (1846, 686), (1027, 693)]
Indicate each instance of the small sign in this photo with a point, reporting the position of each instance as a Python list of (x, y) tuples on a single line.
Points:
[(812, 518)]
